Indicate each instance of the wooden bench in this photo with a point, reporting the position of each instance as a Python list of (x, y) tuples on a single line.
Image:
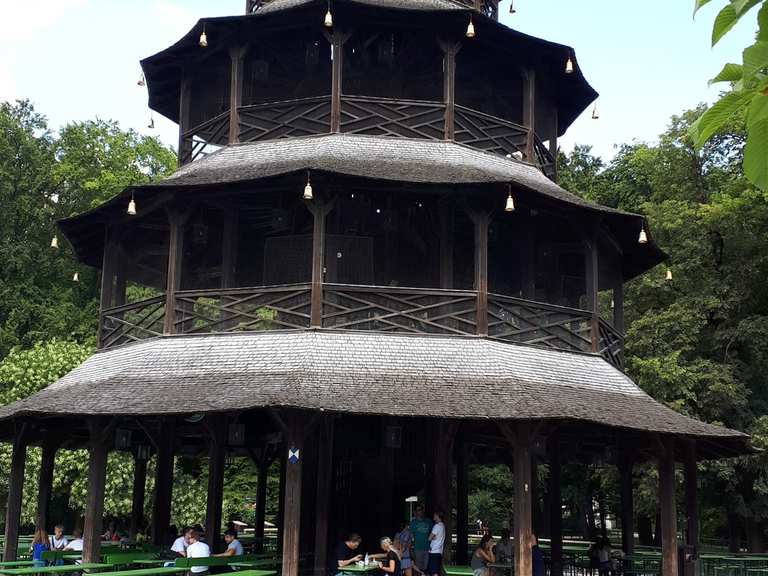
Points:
[(64, 569), (156, 571), (126, 557), (15, 563), (244, 560)]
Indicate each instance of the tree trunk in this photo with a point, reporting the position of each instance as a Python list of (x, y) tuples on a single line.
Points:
[(657, 530), (755, 536), (734, 532), (644, 530)]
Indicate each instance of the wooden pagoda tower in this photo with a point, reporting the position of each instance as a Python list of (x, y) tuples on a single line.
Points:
[(364, 261)]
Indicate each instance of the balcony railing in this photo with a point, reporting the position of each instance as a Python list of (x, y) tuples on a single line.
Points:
[(370, 116), (365, 308)]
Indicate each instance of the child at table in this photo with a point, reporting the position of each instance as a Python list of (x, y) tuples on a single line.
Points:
[(39, 545)]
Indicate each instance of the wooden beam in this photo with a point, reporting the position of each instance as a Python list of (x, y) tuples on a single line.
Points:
[(185, 107), (319, 212), (97, 476), (446, 244), (161, 505), (529, 112), (176, 220), (337, 39), (626, 469), (217, 438), (555, 506), (462, 503), (294, 443), (229, 249), (523, 500), (528, 256), (691, 509), (591, 268), (553, 142), (236, 55), (323, 497), (449, 87), (261, 505), (668, 507), (45, 479), (15, 490), (482, 222), (443, 434), (138, 495)]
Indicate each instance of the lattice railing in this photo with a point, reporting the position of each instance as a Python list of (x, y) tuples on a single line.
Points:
[(527, 322), (489, 133), (285, 119), (132, 322), (389, 309), (544, 158), (206, 138), (387, 117), (611, 344), (243, 309)]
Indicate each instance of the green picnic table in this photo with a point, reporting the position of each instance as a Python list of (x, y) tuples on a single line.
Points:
[(15, 563), (63, 569), (458, 570), (157, 571), (355, 569), (150, 561), (257, 573)]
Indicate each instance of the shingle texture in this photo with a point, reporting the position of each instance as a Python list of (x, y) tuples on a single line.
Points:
[(393, 159), (365, 373)]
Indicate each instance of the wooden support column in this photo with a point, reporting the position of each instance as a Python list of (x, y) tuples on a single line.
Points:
[(236, 55), (553, 143), (337, 39), (281, 498), (691, 509), (443, 436), (529, 112), (555, 506), (528, 257), (446, 244), (97, 476), (229, 249), (319, 212), (261, 504), (591, 268), (668, 507), (185, 101), (449, 86), (176, 222), (138, 496), (462, 503), (108, 267), (45, 483), (481, 221), (626, 468), (323, 497), (294, 442), (161, 505), (15, 490), (523, 500), (217, 438)]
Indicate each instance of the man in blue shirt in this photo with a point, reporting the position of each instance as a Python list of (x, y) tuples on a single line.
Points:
[(420, 528), (234, 547)]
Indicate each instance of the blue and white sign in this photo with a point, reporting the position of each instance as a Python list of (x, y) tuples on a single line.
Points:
[(293, 455)]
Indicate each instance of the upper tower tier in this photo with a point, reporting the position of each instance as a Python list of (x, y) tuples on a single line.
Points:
[(431, 69)]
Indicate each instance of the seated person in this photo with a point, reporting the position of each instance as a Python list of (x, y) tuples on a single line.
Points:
[(346, 553), (234, 547), (390, 559), (58, 541), (503, 550), (76, 544), (180, 544), (197, 549)]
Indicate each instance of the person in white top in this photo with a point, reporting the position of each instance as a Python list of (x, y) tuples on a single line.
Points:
[(436, 543), (57, 541), (180, 544), (197, 549), (76, 544)]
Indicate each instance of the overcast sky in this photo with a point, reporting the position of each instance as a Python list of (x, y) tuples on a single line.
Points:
[(78, 59)]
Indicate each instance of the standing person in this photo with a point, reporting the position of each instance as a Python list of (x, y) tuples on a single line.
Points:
[(482, 556), (436, 544), (404, 541), (180, 544), (420, 528), (346, 553), (234, 547), (537, 558), (604, 553), (197, 549), (39, 545)]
